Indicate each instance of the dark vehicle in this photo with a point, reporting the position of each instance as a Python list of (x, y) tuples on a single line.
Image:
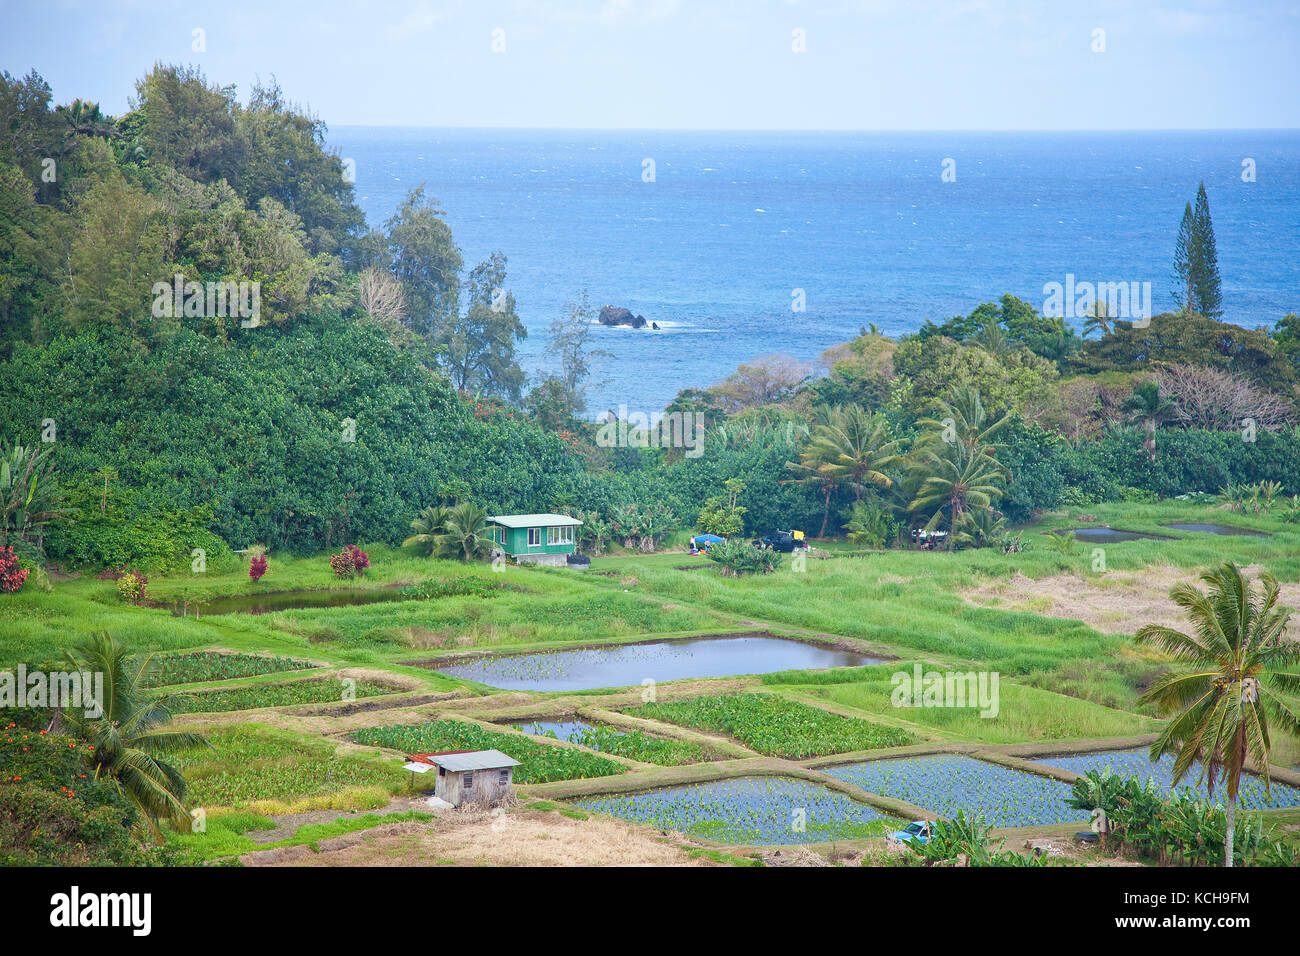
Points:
[(783, 541)]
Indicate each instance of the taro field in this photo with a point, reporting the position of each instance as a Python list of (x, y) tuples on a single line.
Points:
[(946, 783), (755, 811), (541, 763), (633, 744), (1137, 763), (202, 666), (323, 690)]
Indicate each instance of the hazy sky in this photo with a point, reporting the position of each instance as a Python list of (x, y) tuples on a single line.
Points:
[(867, 64)]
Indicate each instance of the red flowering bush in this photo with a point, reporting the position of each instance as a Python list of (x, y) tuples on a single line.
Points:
[(257, 567), (351, 560), (11, 575), (360, 560)]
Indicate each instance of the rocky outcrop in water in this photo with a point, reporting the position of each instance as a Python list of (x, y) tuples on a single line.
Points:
[(613, 315)]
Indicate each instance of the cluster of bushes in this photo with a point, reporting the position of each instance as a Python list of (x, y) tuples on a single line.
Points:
[(736, 557), (350, 562), (1181, 830)]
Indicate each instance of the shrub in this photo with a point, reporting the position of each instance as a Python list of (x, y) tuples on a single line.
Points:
[(11, 575), (257, 567), (360, 560), (737, 558), (132, 585), (343, 565)]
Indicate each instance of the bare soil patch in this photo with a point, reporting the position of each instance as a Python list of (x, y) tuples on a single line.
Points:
[(1113, 603), (526, 838)]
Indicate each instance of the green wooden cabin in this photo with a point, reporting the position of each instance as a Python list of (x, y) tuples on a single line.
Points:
[(536, 539)]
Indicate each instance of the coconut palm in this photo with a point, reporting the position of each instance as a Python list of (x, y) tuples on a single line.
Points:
[(1098, 320), (849, 448), (465, 535), (957, 484), (427, 526), (1241, 672), (1146, 407), (962, 420), (128, 736), (981, 528)]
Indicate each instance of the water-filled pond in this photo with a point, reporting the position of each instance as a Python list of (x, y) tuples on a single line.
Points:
[(946, 783), (633, 664), (1137, 763), (563, 729), (1214, 529), (758, 811), (1113, 535), (290, 600)]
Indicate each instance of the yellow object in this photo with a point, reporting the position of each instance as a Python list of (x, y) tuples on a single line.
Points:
[(798, 535)]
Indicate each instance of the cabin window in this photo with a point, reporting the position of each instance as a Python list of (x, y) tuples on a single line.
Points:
[(505, 777), (442, 771), (534, 537), (467, 781), (559, 535)]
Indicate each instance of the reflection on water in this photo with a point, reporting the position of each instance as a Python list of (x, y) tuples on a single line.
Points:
[(634, 664)]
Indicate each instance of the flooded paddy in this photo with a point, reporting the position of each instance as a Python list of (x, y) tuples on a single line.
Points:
[(1214, 529), (1112, 535), (636, 664), (757, 811), (1137, 763), (946, 783)]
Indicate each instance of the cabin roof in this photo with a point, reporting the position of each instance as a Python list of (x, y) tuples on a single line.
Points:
[(534, 521), (460, 760)]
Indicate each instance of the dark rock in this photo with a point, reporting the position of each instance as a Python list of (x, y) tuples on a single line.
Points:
[(611, 315)]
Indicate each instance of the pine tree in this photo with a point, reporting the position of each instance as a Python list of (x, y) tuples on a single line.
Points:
[(1184, 292), (1205, 274)]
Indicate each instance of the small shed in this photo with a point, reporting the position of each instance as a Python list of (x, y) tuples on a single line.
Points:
[(535, 539), (466, 774)]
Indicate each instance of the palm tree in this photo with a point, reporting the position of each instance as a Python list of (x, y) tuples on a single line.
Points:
[(981, 528), (1098, 320), (963, 420), (992, 338), (466, 535), (958, 484), (427, 526), (127, 736), (848, 447), (1240, 673), (1147, 408)]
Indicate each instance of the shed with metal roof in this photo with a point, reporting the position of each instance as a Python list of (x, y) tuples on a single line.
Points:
[(482, 775)]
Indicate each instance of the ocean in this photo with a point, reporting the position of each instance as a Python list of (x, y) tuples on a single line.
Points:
[(714, 244)]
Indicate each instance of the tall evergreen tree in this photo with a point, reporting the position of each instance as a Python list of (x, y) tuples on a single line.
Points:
[(1184, 291), (1205, 277), (1198, 287)]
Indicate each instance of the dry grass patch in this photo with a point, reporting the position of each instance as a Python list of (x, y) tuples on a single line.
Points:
[(526, 838)]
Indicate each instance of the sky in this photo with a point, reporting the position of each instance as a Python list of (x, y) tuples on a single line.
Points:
[(708, 64)]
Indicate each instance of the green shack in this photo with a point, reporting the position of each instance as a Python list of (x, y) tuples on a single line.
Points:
[(536, 539)]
